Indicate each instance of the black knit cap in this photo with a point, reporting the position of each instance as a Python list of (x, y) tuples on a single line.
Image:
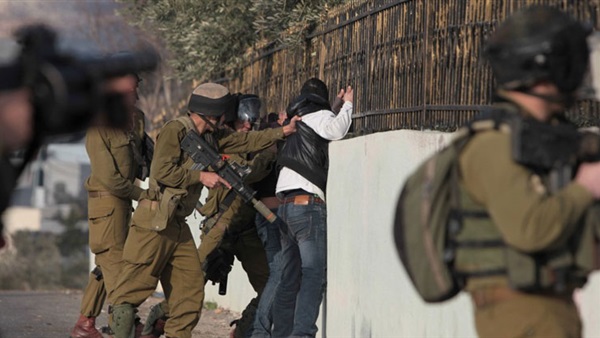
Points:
[(211, 99)]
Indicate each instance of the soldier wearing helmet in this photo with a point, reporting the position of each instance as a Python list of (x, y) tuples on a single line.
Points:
[(155, 251), (520, 250), (230, 223), (248, 112)]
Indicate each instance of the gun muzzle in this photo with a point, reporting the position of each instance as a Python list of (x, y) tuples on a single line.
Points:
[(263, 210)]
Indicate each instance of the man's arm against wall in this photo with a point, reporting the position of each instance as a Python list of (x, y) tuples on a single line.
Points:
[(332, 127)]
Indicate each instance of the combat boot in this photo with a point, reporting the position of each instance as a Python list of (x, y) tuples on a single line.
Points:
[(122, 320), (85, 328)]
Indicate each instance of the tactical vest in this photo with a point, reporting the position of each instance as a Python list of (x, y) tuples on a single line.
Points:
[(482, 257), (188, 202), (173, 202)]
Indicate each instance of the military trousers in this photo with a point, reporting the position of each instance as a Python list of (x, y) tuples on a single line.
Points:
[(209, 241), (247, 247), (528, 315), (171, 257), (108, 218), (249, 250)]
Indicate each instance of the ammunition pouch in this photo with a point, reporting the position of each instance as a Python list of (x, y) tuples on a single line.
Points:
[(155, 215), (481, 253)]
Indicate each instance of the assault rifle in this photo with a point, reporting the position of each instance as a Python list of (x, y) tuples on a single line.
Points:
[(556, 148), (147, 155), (203, 154)]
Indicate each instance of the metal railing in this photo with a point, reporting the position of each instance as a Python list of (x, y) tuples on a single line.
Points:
[(414, 64)]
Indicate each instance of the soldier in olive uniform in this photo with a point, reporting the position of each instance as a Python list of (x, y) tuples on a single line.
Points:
[(229, 221), (110, 189), (236, 225), (219, 210), (160, 244), (538, 245)]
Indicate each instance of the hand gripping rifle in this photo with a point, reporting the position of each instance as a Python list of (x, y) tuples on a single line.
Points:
[(203, 154), (217, 268)]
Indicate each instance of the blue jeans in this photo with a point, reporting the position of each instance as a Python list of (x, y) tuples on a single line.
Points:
[(304, 269), (269, 234)]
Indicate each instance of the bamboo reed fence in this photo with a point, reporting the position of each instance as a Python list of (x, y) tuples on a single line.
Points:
[(414, 64)]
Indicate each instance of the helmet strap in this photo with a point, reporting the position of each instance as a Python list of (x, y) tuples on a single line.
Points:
[(210, 124)]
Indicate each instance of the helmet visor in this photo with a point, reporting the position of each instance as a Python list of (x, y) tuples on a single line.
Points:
[(249, 109)]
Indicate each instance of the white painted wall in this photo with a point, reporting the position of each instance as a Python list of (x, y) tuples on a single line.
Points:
[(369, 293)]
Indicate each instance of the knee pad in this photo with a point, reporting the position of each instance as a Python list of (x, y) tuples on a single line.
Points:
[(122, 320)]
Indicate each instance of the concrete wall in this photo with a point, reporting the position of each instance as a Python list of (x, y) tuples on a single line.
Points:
[(369, 294), (22, 218)]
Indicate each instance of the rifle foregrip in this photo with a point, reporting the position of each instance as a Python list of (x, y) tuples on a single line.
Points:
[(263, 210), (223, 286)]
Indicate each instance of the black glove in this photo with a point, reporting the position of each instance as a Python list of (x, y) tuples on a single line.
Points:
[(218, 265)]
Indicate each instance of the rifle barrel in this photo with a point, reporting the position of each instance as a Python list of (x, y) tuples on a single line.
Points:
[(263, 210)]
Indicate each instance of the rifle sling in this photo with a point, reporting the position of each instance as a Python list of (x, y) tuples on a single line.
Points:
[(224, 205)]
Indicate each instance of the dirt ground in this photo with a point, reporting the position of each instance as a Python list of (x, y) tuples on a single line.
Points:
[(53, 314)]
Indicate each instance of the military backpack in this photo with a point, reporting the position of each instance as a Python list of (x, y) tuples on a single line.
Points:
[(428, 214)]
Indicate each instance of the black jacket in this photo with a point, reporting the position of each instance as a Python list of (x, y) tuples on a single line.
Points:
[(305, 152)]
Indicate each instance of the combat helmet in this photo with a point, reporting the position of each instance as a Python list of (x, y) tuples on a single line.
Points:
[(248, 108), (537, 44)]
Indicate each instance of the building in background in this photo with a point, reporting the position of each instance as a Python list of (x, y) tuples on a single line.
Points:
[(51, 187)]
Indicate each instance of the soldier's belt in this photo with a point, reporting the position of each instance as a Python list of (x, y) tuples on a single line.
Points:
[(150, 205), (302, 200), (99, 193)]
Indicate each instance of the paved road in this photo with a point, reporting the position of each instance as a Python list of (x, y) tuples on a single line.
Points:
[(53, 313)]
